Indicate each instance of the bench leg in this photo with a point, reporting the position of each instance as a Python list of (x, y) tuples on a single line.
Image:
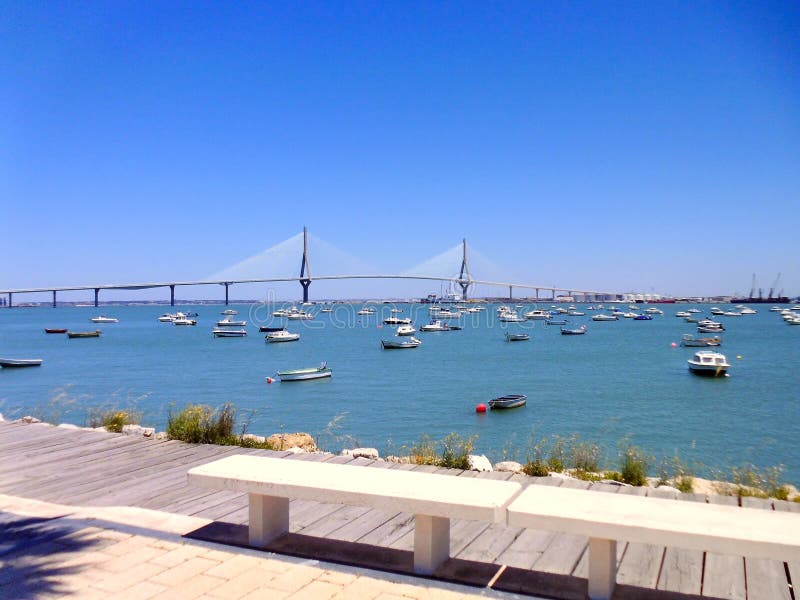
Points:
[(602, 568), (431, 543), (269, 518)]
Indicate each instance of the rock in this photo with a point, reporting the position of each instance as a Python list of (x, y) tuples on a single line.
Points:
[(556, 475), (668, 488), (508, 466), (615, 482), (402, 460), (30, 419), (259, 439), (479, 463), (161, 435), (1, 418), (371, 453), (138, 430), (285, 441), (295, 450), (67, 426)]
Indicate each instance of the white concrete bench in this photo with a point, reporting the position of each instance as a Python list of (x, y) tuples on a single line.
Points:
[(606, 518), (432, 499)]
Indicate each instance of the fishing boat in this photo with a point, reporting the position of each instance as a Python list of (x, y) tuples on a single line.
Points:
[(229, 322), (508, 401), (282, 336), (435, 325), (396, 321), (689, 341), (411, 342), (605, 317), (229, 332), (517, 337), (406, 330), (709, 363), (265, 329), (103, 319), (54, 330), (579, 331), (319, 372), (19, 363), (555, 322), (83, 334), (537, 315)]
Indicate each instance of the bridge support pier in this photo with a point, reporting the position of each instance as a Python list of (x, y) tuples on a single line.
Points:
[(10, 300), (510, 293), (305, 283), (54, 298), (172, 295), (96, 296), (226, 293)]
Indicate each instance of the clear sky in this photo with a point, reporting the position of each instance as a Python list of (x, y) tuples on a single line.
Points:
[(642, 146)]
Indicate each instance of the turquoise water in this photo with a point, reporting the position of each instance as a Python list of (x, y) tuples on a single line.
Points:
[(620, 380)]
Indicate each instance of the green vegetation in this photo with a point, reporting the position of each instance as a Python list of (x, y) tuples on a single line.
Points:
[(634, 465), (452, 452), (113, 419), (749, 480), (200, 424)]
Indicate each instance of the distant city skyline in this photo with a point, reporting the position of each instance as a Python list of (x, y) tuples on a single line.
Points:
[(634, 147)]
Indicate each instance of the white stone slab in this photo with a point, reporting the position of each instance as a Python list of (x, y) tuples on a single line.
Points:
[(724, 529), (385, 489)]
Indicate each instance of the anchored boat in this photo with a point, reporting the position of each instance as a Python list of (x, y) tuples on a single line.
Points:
[(508, 401), (18, 363), (319, 372)]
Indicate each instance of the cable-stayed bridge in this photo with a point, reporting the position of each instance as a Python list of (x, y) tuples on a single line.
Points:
[(237, 274)]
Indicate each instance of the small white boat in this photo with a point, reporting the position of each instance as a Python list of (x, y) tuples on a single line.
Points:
[(411, 342), (229, 322), (366, 311), (229, 311), (709, 363), (605, 317), (229, 332), (103, 319), (683, 313), (167, 318), (19, 363), (396, 321), (690, 341), (510, 317), (327, 309), (537, 315), (319, 372), (748, 311), (281, 312), (694, 310), (448, 314), (299, 316), (517, 337), (282, 336), (508, 401), (183, 320), (435, 326), (575, 313), (406, 330), (654, 311)]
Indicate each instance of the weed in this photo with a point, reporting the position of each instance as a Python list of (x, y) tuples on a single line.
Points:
[(634, 466)]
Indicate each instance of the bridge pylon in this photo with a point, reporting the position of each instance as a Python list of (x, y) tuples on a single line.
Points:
[(464, 282), (305, 267)]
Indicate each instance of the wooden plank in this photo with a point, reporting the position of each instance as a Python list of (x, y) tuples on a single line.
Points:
[(766, 579), (723, 576), (792, 567), (682, 569)]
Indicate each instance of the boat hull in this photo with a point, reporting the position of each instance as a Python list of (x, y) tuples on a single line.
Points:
[(55, 330), (304, 375), (20, 363), (509, 401), (83, 334)]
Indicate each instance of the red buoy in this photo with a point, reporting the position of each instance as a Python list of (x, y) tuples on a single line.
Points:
[(481, 408), (270, 380)]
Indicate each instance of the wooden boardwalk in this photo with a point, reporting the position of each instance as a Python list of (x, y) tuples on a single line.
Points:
[(85, 467)]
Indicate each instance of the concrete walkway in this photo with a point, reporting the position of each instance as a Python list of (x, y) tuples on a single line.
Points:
[(54, 551)]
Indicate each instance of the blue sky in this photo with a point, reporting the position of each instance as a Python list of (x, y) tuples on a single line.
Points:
[(639, 146)]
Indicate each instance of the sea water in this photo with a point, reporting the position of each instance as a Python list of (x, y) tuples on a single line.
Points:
[(621, 382)]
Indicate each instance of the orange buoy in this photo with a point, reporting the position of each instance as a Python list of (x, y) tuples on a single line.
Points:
[(481, 408), (674, 345)]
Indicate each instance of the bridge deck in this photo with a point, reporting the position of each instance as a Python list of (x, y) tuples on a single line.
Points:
[(84, 467)]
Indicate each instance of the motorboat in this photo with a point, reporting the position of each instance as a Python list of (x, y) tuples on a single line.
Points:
[(605, 317), (691, 319), (83, 334), (706, 329), (319, 372), (184, 321), (508, 401), (654, 311), (406, 330), (229, 322), (517, 337), (630, 315), (694, 310), (575, 313), (103, 319), (748, 311), (556, 322), (455, 327), (299, 315), (366, 311), (411, 342), (709, 363), (229, 332), (282, 336), (167, 318), (326, 309), (19, 363), (435, 325), (281, 312), (229, 311), (579, 331), (689, 341), (54, 330), (537, 315), (710, 323), (683, 313), (265, 329), (510, 317), (715, 310), (396, 321), (643, 318), (397, 311), (448, 314)]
